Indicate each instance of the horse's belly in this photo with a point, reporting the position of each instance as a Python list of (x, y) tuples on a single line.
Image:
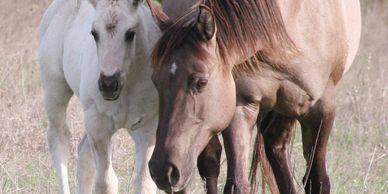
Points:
[(274, 91)]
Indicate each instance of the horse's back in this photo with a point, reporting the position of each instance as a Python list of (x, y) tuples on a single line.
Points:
[(80, 53), (65, 42), (57, 7), (326, 32), (52, 32)]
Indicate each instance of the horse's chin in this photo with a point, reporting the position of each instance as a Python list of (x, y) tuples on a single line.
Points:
[(111, 96), (186, 180)]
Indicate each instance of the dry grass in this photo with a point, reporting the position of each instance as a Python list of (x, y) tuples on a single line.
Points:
[(25, 166), (357, 158)]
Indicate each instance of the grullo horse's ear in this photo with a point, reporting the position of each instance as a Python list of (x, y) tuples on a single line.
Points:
[(136, 2), (161, 19), (206, 24)]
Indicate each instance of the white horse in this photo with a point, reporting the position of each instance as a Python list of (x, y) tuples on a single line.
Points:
[(99, 50)]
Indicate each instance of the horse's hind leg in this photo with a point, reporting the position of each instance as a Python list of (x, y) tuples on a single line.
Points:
[(86, 168), (57, 95), (277, 132), (316, 127), (209, 164)]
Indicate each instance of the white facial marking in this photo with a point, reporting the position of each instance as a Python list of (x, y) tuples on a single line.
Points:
[(173, 68)]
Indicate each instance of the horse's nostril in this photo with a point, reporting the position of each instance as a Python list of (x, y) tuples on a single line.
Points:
[(110, 86), (173, 175), (165, 174), (151, 167), (116, 85)]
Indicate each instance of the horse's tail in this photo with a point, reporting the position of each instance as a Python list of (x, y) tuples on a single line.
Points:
[(259, 156)]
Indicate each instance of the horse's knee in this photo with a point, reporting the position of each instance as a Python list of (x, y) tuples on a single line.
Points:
[(58, 138), (58, 131), (85, 156), (107, 183), (274, 146), (277, 134), (144, 186)]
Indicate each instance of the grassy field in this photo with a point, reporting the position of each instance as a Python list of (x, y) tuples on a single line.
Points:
[(358, 153)]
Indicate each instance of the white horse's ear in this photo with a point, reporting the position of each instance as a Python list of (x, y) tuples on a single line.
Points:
[(93, 2), (206, 24)]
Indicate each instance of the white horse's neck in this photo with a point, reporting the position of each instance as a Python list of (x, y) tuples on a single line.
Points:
[(147, 35), (76, 4)]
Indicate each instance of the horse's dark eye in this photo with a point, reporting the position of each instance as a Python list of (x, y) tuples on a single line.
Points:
[(95, 35), (201, 83), (129, 35)]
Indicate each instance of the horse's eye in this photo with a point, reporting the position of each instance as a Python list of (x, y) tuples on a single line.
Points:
[(95, 35), (201, 83), (129, 35)]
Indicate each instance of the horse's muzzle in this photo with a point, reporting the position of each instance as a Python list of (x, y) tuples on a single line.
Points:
[(165, 176), (110, 86)]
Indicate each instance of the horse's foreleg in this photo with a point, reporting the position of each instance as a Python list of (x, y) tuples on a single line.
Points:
[(209, 164), (316, 127), (144, 139), (237, 138), (100, 129), (86, 168), (57, 95), (277, 132)]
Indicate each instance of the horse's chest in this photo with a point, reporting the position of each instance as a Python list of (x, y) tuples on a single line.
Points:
[(142, 105)]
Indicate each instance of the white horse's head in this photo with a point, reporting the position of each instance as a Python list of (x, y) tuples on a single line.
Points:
[(114, 31)]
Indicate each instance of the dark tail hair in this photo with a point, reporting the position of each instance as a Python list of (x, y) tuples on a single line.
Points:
[(259, 155)]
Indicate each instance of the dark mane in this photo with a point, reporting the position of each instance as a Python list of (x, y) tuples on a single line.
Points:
[(181, 32), (254, 29)]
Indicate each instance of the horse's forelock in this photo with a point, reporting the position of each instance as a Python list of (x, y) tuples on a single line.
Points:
[(182, 33)]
